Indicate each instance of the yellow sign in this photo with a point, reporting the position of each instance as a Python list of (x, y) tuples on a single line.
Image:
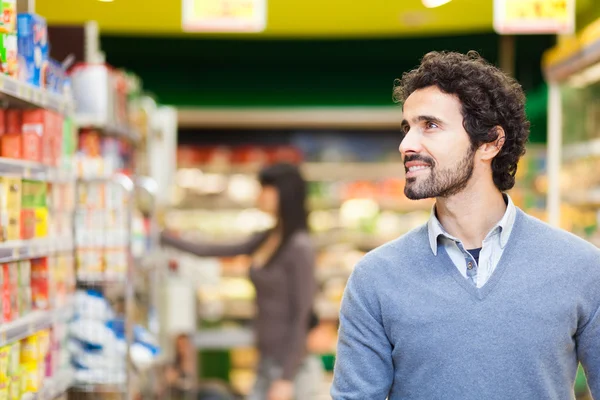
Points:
[(224, 15), (534, 16)]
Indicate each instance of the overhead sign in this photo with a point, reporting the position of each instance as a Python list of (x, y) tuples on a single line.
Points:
[(534, 16), (224, 15)]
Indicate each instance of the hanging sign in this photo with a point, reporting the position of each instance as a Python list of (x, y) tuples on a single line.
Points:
[(534, 16), (224, 15)]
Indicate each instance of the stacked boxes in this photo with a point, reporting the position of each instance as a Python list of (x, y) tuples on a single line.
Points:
[(8, 38), (32, 48)]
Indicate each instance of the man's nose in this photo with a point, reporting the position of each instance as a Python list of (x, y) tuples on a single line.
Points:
[(411, 143)]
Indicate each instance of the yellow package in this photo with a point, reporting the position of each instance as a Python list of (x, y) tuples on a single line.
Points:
[(14, 392), (30, 349), (4, 390), (31, 377), (44, 344), (14, 359), (13, 225), (4, 353), (10, 193), (41, 222)]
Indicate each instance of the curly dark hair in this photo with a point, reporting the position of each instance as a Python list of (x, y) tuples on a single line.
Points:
[(489, 99)]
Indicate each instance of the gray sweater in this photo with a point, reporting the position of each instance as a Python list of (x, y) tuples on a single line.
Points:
[(412, 327), (285, 289)]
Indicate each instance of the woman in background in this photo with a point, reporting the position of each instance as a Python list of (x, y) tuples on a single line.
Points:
[(282, 271)]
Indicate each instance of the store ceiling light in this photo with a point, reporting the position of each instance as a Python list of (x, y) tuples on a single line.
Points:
[(434, 3)]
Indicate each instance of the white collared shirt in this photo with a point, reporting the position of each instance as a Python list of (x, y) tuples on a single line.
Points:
[(491, 251)]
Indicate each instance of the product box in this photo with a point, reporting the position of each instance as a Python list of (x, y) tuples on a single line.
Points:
[(8, 23), (56, 77), (5, 293), (24, 273), (10, 141), (4, 361), (41, 222), (24, 300), (34, 194), (10, 193), (30, 350), (14, 392), (39, 133), (9, 54), (13, 226), (32, 48), (28, 224), (14, 359), (40, 284), (31, 377), (4, 390)]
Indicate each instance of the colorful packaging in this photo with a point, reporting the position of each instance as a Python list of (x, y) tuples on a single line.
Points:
[(10, 142), (8, 23), (24, 273), (56, 77), (6, 295), (13, 227), (41, 222), (31, 375), (28, 224), (4, 390), (14, 359), (9, 54), (30, 349), (4, 360), (32, 48), (39, 133), (44, 343), (10, 193), (16, 382), (40, 284), (34, 194)]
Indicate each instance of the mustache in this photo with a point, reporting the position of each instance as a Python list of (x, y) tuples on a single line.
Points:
[(419, 157)]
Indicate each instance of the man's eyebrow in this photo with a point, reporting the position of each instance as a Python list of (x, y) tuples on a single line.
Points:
[(429, 118)]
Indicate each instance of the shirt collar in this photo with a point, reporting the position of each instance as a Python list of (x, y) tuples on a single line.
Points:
[(505, 225)]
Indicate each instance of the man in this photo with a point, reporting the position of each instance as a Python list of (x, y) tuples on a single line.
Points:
[(483, 302)]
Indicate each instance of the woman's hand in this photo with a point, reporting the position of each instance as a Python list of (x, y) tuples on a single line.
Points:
[(281, 390)]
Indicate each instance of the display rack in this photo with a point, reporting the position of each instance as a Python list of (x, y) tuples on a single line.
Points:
[(25, 95), (34, 322)]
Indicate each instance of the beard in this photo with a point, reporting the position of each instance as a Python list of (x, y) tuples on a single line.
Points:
[(440, 182)]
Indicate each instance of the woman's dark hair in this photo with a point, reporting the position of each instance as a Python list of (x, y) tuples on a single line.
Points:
[(489, 99), (290, 185)]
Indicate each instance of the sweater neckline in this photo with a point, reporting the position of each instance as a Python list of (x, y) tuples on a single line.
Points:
[(504, 263)]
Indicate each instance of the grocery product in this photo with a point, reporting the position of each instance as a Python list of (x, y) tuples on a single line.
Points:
[(16, 382), (31, 377), (9, 16), (40, 284), (4, 361), (13, 225), (8, 54), (14, 359), (95, 92), (10, 141), (28, 224), (32, 48), (41, 222)]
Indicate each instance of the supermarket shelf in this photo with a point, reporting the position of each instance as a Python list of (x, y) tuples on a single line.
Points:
[(52, 387), (36, 321), (224, 338), (99, 278), (324, 171), (22, 94), (16, 250), (576, 151), (34, 171), (84, 121)]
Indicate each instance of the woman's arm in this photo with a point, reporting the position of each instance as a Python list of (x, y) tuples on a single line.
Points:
[(210, 249)]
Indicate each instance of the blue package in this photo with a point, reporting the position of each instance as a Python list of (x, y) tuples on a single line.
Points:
[(32, 47)]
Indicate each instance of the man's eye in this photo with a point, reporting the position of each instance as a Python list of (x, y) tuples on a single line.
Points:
[(431, 125)]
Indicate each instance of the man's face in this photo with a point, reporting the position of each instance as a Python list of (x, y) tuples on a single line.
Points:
[(437, 152)]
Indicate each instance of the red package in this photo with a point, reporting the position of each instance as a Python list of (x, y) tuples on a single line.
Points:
[(2, 121), (13, 121), (6, 294), (27, 224), (40, 284), (57, 138), (37, 135), (11, 145)]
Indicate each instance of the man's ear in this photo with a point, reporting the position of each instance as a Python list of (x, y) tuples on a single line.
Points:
[(490, 150)]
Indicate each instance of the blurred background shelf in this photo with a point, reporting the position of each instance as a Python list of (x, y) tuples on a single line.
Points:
[(21, 94), (35, 321), (25, 249)]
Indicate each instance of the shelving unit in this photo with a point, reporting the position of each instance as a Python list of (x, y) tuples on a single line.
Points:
[(52, 388), (24, 95), (34, 322), (124, 132), (35, 248)]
